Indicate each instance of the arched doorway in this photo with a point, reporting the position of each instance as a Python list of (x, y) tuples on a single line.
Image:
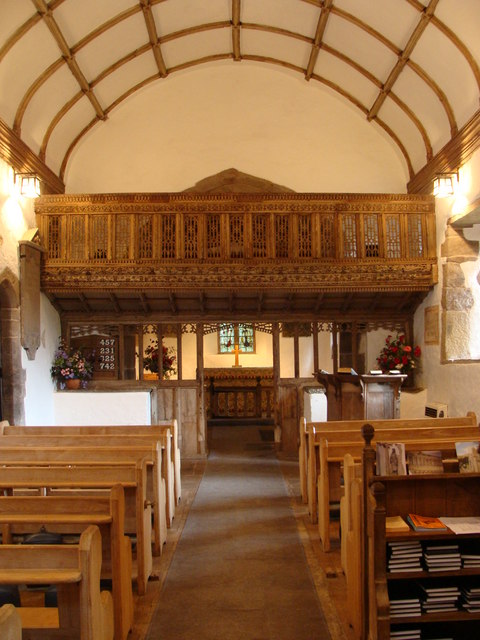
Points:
[(12, 388)]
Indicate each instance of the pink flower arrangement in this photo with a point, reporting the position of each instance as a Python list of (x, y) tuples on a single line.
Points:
[(398, 355)]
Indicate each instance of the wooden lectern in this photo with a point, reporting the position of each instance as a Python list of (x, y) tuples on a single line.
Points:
[(358, 397)]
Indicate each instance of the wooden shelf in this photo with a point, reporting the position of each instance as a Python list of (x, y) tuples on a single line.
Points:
[(449, 494)]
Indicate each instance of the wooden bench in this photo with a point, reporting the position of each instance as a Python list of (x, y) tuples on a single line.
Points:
[(10, 623), (158, 429), (331, 453), (102, 450), (83, 611), (311, 433), (89, 480), (72, 514)]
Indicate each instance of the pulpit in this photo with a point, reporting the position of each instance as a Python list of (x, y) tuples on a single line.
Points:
[(358, 397)]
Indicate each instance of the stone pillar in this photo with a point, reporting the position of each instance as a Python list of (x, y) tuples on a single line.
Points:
[(13, 376), (457, 299)]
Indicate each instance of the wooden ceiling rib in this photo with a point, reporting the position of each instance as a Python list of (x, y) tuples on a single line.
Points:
[(241, 19)]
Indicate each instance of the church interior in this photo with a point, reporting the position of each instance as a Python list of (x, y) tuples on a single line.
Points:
[(224, 219)]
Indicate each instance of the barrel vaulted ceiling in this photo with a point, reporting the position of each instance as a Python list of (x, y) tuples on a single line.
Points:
[(410, 67)]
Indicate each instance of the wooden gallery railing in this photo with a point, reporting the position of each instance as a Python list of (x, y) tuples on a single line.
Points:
[(170, 228)]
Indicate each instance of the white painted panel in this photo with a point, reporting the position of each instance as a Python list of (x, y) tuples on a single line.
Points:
[(291, 15), (197, 45), (395, 20), (423, 101), (358, 45), (44, 106), (83, 408), (13, 14), (21, 66), (112, 45), (406, 130), (123, 79), (450, 70), (171, 17), (353, 82), (277, 46), (77, 19), (78, 117)]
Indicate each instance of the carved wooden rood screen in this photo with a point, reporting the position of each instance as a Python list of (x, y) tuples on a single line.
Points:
[(145, 254)]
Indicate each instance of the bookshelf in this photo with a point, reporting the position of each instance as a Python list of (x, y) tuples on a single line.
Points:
[(437, 495)]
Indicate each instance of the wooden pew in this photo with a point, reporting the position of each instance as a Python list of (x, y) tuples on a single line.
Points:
[(10, 623), (158, 429), (72, 514), (83, 611), (312, 433), (331, 455), (104, 450), (85, 480)]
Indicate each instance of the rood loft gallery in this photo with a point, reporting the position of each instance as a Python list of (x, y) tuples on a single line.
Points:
[(233, 173)]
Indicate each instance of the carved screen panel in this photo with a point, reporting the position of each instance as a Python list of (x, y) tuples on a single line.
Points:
[(99, 237), (305, 236), (392, 241), (122, 236), (349, 236), (259, 233), (236, 236), (168, 240), (327, 236), (281, 235), (190, 236), (145, 236), (53, 235), (77, 237), (214, 247), (370, 232), (415, 237)]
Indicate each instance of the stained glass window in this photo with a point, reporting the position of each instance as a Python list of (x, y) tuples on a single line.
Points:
[(230, 335)]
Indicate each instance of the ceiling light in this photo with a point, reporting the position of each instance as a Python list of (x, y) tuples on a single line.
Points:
[(444, 185), (28, 184)]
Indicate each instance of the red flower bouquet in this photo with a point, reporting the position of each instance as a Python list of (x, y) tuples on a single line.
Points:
[(396, 355)]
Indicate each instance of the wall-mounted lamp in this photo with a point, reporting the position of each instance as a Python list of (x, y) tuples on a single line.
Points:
[(28, 184), (444, 185)]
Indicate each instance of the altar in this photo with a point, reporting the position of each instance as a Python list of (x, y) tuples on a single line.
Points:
[(239, 393)]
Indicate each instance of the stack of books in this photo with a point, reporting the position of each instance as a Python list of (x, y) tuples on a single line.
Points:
[(439, 599), (470, 599), (404, 556), (442, 557), (405, 634), (405, 607), (470, 555)]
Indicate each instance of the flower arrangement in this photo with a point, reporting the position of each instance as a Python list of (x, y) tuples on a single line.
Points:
[(398, 355), (71, 363), (150, 359)]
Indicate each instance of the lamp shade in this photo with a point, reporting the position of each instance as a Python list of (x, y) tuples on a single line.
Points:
[(444, 185)]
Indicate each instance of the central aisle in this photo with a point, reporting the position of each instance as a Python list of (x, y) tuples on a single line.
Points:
[(239, 570)]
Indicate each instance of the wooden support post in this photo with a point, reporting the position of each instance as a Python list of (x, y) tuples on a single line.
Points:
[(201, 438), (315, 345)]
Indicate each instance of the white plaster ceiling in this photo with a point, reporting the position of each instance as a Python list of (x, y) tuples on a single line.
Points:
[(410, 67)]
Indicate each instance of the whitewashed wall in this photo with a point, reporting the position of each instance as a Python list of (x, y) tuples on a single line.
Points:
[(454, 383), (260, 120), (16, 217)]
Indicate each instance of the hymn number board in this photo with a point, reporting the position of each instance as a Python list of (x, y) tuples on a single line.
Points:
[(106, 361), (106, 354)]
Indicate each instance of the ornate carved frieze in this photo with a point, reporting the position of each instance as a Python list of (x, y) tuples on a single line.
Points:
[(353, 276)]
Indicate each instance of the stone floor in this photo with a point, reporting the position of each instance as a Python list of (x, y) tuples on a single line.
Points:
[(325, 572)]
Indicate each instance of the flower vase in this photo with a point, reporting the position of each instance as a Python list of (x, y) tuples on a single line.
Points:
[(73, 383)]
